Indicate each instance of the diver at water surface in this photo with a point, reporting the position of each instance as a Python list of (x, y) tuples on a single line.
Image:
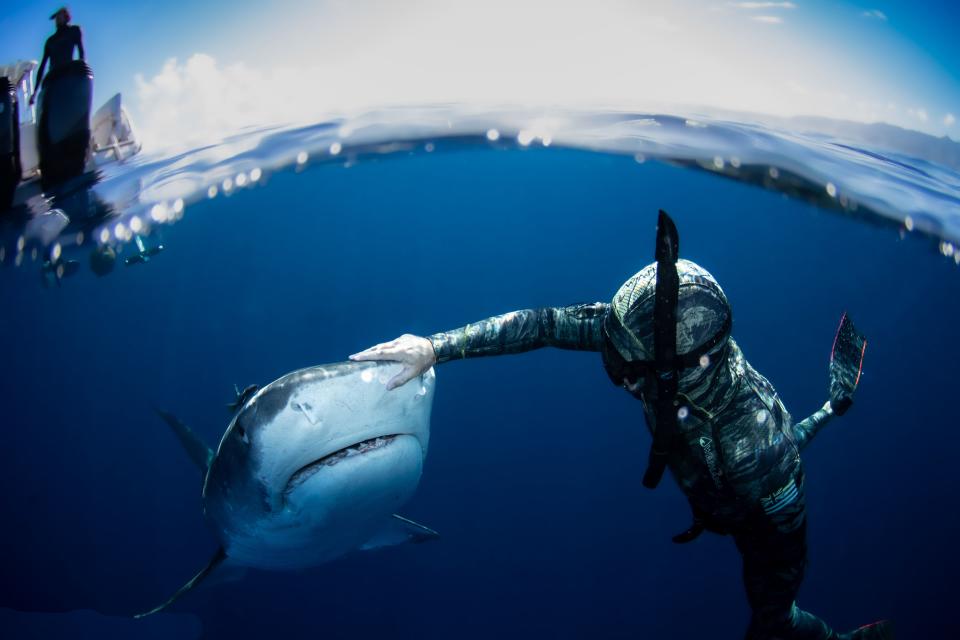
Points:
[(59, 47), (717, 424)]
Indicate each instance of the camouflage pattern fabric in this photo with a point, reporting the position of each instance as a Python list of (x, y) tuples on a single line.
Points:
[(738, 462)]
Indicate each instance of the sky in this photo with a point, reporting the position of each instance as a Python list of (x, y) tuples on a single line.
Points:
[(190, 70)]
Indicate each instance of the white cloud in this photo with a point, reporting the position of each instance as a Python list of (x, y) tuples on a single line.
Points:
[(593, 55), (763, 5), (919, 113), (875, 14), (768, 19), (949, 120)]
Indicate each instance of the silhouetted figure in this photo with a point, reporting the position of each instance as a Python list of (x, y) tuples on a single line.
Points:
[(59, 47)]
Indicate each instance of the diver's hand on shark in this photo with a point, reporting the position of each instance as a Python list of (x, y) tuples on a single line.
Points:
[(415, 353)]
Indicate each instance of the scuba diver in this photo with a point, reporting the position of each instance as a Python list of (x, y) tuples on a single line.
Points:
[(59, 47), (717, 424)]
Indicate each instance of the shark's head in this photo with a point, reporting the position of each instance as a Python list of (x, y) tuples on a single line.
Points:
[(315, 462)]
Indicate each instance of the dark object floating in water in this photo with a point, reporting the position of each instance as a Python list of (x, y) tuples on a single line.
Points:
[(144, 253), (102, 260)]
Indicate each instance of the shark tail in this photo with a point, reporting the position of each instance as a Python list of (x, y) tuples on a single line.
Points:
[(215, 561)]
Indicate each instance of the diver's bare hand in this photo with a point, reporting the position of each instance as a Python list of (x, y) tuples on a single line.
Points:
[(415, 353)]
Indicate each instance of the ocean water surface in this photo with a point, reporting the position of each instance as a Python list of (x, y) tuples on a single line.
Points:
[(288, 247)]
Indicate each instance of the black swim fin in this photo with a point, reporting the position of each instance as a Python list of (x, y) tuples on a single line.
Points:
[(882, 630), (846, 365)]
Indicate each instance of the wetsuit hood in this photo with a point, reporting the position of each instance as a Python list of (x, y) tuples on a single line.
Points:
[(703, 313)]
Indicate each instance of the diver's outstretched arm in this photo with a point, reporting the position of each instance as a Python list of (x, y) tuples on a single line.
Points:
[(575, 327), (846, 366), (415, 353), (804, 430)]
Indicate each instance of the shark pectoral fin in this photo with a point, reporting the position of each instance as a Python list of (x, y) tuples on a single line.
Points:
[(215, 561), (226, 573), (399, 530), (198, 451)]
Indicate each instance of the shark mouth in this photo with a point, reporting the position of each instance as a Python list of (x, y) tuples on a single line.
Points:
[(306, 471)]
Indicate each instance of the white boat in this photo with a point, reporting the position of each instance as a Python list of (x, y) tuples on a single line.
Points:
[(112, 137)]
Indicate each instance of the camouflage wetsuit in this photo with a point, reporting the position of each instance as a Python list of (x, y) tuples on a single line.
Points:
[(739, 458)]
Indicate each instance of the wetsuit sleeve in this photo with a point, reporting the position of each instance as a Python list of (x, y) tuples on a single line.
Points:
[(79, 36), (577, 327), (804, 430)]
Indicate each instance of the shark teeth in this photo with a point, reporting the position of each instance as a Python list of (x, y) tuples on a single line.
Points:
[(360, 448)]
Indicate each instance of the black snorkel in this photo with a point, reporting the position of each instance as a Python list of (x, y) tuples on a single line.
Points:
[(665, 369), (664, 348)]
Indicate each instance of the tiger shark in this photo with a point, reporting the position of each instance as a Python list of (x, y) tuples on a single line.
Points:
[(312, 466)]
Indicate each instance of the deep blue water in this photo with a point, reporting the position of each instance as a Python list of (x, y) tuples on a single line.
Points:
[(533, 475)]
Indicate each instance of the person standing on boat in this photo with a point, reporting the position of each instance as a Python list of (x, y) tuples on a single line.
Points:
[(59, 47), (718, 425)]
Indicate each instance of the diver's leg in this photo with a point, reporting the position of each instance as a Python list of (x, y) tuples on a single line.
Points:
[(774, 552)]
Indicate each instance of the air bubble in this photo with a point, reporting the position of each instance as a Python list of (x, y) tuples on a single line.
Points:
[(493, 135)]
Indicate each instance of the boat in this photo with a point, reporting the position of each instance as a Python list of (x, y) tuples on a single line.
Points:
[(57, 140)]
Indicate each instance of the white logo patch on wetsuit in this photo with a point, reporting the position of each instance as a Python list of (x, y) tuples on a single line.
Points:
[(780, 498), (710, 456)]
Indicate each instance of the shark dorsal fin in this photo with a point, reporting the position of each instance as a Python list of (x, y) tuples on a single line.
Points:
[(199, 452), (242, 396)]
